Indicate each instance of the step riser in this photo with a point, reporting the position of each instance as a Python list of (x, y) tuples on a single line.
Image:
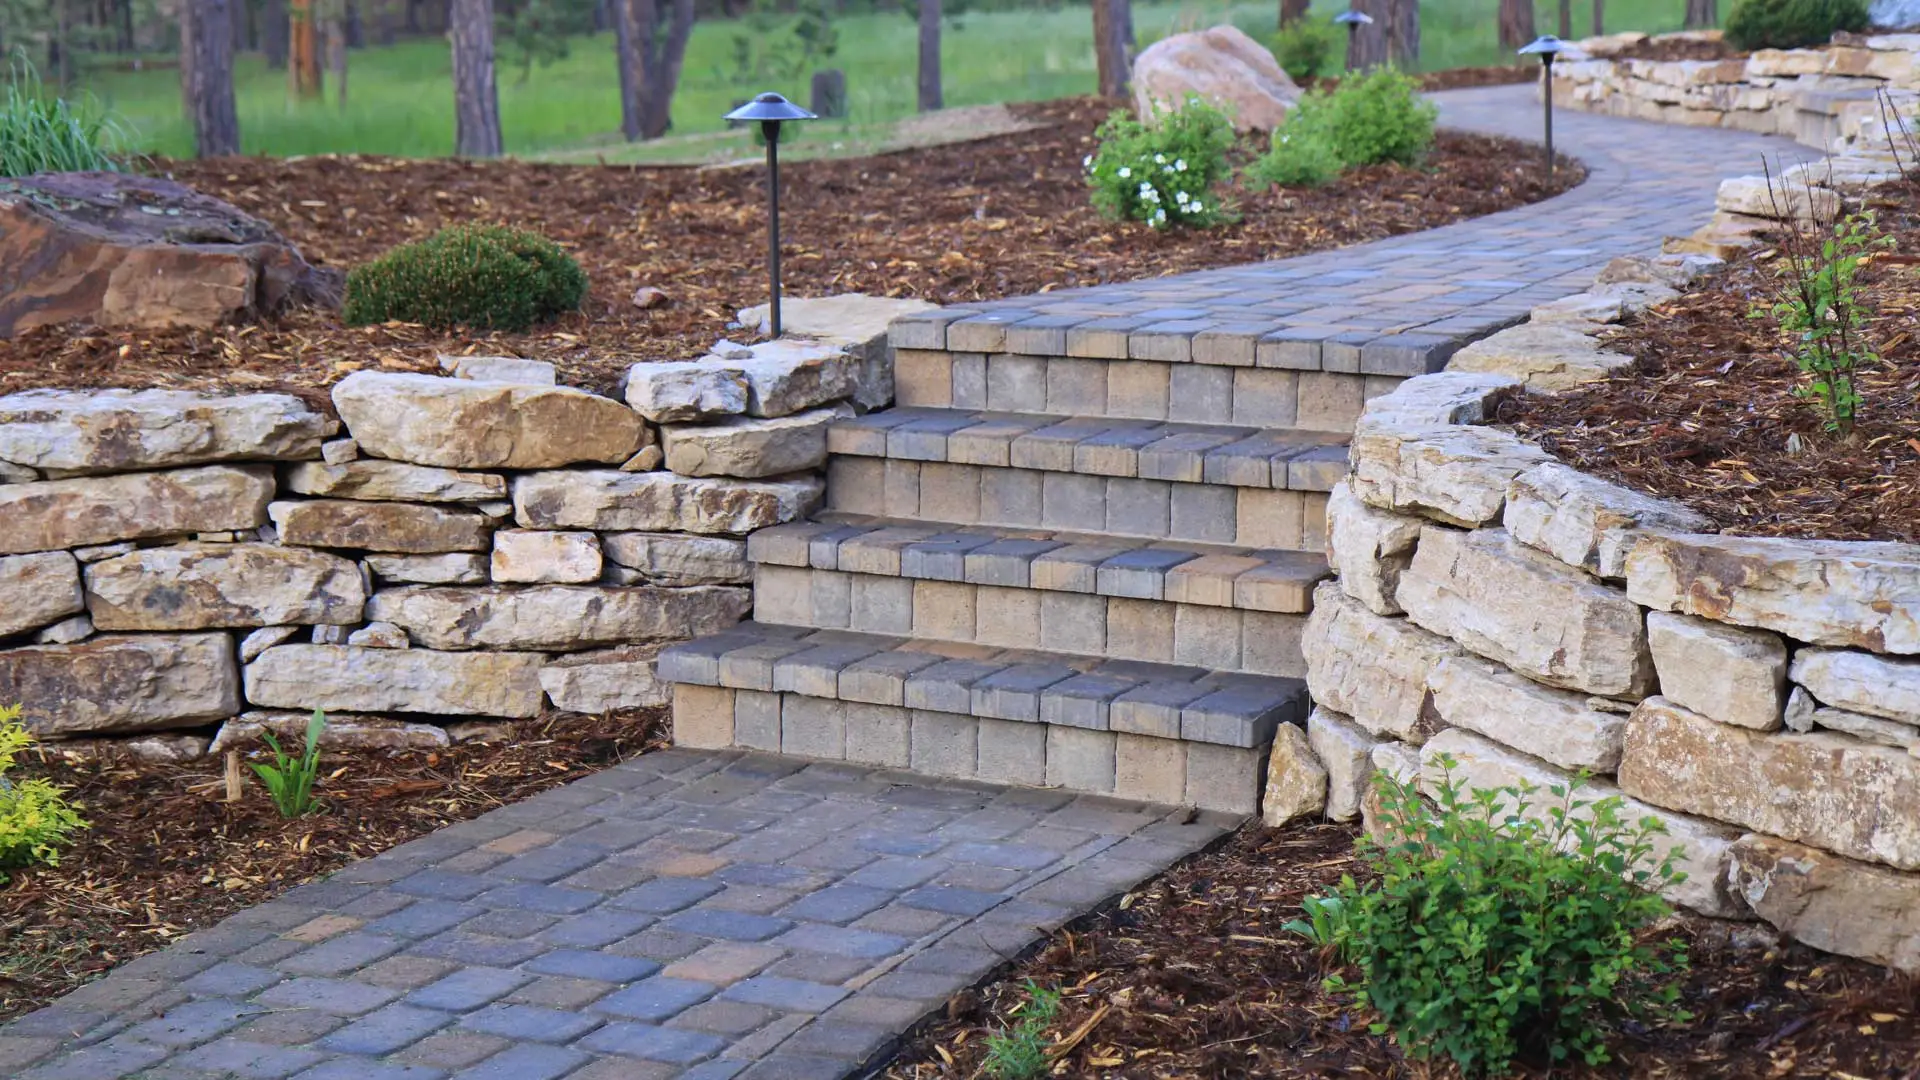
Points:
[(1200, 393), (933, 491), (958, 746), (1115, 627)]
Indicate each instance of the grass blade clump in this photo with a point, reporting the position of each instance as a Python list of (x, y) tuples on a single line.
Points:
[(41, 132)]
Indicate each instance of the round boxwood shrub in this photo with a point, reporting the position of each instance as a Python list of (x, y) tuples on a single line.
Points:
[(486, 277), (1792, 24)]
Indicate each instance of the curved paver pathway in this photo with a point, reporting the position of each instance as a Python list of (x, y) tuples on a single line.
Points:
[(719, 914)]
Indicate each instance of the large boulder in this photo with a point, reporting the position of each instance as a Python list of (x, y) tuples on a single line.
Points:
[(115, 249), (1222, 65), (73, 432)]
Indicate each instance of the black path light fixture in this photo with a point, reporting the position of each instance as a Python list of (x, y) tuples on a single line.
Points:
[(1546, 47), (771, 110), (1353, 19)]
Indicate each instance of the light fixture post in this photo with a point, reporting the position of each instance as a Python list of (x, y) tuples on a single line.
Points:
[(770, 110), (1546, 48), (1353, 19)]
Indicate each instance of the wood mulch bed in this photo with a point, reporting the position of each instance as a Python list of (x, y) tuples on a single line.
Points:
[(1192, 976), (166, 854), (1707, 414), (1003, 216)]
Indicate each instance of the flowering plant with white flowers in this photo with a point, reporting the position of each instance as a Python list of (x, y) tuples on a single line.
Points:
[(1163, 173)]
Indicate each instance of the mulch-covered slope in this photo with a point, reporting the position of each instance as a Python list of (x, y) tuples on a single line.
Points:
[(1193, 977), (1708, 414), (1005, 216), (167, 854)]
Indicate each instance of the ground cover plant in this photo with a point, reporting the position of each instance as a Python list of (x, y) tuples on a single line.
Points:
[(289, 778), (1368, 119), (41, 131), (1792, 24), (1163, 170), (36, 819), (478, 277)]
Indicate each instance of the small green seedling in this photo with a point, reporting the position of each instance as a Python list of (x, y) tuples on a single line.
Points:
[(289, 780)]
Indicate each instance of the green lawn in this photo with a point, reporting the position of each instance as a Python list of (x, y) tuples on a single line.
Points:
[(400, 99)]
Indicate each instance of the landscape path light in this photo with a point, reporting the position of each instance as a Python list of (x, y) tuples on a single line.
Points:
[(1353, 21), (771, 110), (1546, 47)]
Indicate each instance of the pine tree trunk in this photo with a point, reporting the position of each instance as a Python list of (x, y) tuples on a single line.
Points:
[(627, 59), (273, 33), (1112, 23), (1403, 33), (1566, 20), (356, 26), (1368, 45), (1702, 14), (337, 53), (930, 96), (1599, 17), (303, 49), (1516, 23), (216, 127), (1292, 11), (658, 73), (476, 100)]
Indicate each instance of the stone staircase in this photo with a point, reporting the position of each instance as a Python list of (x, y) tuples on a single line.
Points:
[(1088, 572)]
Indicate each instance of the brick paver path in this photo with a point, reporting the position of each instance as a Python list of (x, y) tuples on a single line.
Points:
[(711, 914)]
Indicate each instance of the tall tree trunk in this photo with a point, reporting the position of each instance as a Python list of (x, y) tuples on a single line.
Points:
[(1112, 23), (1368, 47), (1702, 14), (216, 127), (413, 16), (476, 100), (627, 59), (273, 33), (1566, 20), (657, 73), (303, 49), (1516, 23), (125, 39), (187, 16), (930, 96), (356, 26), (1599, 17), (1403, 33), (337, 50), (1292, 11)]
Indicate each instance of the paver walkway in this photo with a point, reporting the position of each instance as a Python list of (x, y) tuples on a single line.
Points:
[(712, 914)]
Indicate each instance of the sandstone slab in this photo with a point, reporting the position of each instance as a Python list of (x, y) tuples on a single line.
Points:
[(1851, 908), (341, 678), (1754, 195), (263, 639), (66, 631), (1538, 616), (38, 590), (854, 321), (680, 559), (1345, 751), (750, 447), (678, 391), (1733, 675), (118, 683), (1220, 64), (344, 731), (75, 432), (380, 635), (559, 618), (398, 528), (1371, 668), (98, 510), (789, 375), (455, 568), (210, 586), (1441, 399), (1829, 790), (609, 679), (1587, 522), (1562, 728), (1296, 781), (618, 501), (1852, 594), (1861, 682), (1545, 356), (1369, 548), (1458, 475), (393, 481), (507, 369), (533, 556), (462, 424)]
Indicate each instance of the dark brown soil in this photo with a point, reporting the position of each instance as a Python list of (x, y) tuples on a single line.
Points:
[(166, 854), (1192, 976), (1004, 216)]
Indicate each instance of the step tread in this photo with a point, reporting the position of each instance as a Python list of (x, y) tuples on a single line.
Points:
[(1213, 575), (1161, 700), (1292, 459)]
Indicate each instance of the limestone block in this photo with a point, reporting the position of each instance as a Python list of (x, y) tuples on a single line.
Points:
[(1345, 750), (388, 481), (558, 618), (1734, 676), (344, 731), (1532, 613), (1546, 356), (605, 680), (454, 568), (1296, 781), (1750, 195), (90, 511), (749, 447), (1861, 682), (1786, 63), (678, 391), (1458, 475), (658, 501), (1852, 594), (1370, 667), (209, 586), (1587, 522), (462, 424), (119, 683), (380, 635), (75, 432), (339, 451), (1440, 400), (531, 556), (1872, 729), (80, 628), (1851, 908), (1581, 311), (1396, 761), (790, 375), (1368, 548), (38, 590), (507, 369), (396, 528), (679, 559), (1563, 728), (1673, 271), (855, 322), (263, 639), (1829, 790), (1700, 846), (341, 678)]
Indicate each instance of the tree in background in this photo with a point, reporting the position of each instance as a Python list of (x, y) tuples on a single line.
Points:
[(930, 95), (273, 33), (303, 48), (1403, 33), (1367, 45), (476, 99), (1516, 23), (1292, 11), (1599, 17), (1566, 19), (1112, 41), (336, 23), (1702, 14), (652, 47), (207, 66), (536, 31)]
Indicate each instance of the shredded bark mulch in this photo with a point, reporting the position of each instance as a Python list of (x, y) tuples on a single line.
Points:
[(167, 854), (1003, 216), (1192, 976), (1708, 414)]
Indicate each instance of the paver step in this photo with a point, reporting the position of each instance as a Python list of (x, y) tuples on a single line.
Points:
[(1290, 387), (1155, 732)]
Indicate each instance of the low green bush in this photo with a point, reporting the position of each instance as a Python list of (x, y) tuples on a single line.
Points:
[(35, 818), (1367, 119), (485, 277), (1500, 928), (1305, 160), (40, 132), (1019, 1052), (1308, 48), (1792, 24), (289, 779), (1164, 172)]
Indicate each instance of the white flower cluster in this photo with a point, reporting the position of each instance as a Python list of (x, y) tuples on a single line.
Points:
[(1149, 194)]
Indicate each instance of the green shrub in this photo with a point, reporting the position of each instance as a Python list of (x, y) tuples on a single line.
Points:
[(1818, 303), (1308, 48), (1499, 927), (1303, 160), (35, 818), (289, 780), (1020, 1052), (481, 276), (41, 133), (1371, 118), (1792, 24), (1163, 173)]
